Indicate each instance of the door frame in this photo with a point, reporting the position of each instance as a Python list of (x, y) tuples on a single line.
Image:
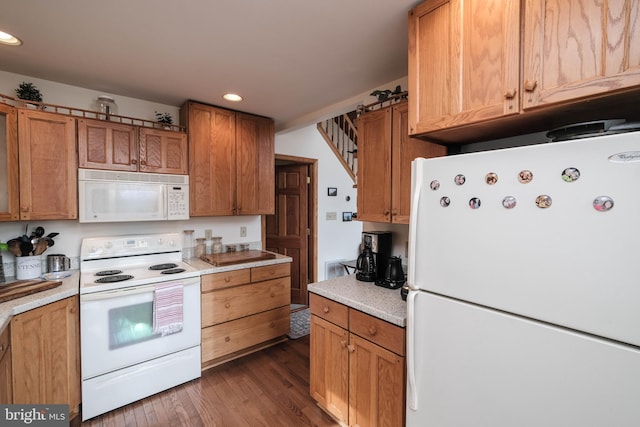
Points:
[(312, 208)]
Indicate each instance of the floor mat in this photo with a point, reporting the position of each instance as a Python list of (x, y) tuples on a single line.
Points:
[(299, 324)]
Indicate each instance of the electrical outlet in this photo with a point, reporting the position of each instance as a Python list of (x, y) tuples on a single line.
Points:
[(243, 231), (331, 216)]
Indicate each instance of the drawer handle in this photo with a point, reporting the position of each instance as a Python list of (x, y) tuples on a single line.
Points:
[(227, 339), (227, 305), (373, 330), (325, 309), (351, 348)]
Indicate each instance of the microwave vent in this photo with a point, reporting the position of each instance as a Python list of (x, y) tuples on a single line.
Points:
[(105, 175)]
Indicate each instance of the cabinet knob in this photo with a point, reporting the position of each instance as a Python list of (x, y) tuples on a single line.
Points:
[(2, 348), (134, 162), (227, 279), (510, 94), (272, 325), (386, 212), (351, 348), (530, 85), (142, 162), (343, 343), (227, 339), (373, 330), (227, 305), (273, 294), (325, 309)]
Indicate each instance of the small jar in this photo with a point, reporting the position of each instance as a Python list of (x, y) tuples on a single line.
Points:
[(230, 248), (208, 247), (217, 245), (200, 247)]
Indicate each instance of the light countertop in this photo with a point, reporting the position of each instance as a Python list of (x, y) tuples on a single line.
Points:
[(377, 301)]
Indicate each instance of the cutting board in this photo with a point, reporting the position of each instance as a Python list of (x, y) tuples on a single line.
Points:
[(230, 258), (25, 287)]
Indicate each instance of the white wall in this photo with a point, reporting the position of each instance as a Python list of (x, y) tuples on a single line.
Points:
[(72, 232)]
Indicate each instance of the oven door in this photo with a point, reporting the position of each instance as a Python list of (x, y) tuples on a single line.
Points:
[(117, 327)]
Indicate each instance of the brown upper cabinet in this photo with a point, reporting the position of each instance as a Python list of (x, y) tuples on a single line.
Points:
[(9, 184), (48, 165), (385, 153), (579, 49), (231, 161), (472, 61), (117, 146), (463, 62)]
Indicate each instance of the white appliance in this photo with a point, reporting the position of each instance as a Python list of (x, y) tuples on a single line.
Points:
[(524, 301), (123, 358), (112, 196)]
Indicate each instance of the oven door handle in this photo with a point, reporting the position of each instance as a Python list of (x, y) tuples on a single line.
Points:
[(117, 293)]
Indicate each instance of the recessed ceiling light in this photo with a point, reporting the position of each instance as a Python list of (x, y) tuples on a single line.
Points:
[(232, 97), (6, 38)]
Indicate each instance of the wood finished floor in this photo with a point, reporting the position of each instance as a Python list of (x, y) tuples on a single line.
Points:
[(267, 388)]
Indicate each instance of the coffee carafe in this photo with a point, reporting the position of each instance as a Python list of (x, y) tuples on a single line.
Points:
[(366, 266)]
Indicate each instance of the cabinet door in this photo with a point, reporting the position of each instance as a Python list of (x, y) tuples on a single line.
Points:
[(45, 350), (404, 151), (374, 166), (464, 60), (212, 164), (107, 145), (6, 386), (48, 166), (575, 49), (329, 367), (9, 190), (255, 179), (163, 151), (376, 385)]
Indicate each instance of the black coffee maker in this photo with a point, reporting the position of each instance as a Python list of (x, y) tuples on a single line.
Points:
[(376, 250)]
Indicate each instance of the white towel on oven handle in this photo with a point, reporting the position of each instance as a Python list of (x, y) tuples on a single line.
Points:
[(168, 309)]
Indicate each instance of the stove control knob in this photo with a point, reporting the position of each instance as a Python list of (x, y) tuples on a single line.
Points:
[(108, 245), (160, 241)]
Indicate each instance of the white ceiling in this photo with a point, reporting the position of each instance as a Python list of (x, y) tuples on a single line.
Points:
[(287, 58)]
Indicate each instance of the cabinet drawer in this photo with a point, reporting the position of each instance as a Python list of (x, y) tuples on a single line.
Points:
[(377, 331), (237, 335), (232, 303), (225, 279), (4, 341), (329, 310), (270, 272)]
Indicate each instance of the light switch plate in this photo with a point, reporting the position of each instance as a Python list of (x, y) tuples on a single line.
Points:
[(331, 216)]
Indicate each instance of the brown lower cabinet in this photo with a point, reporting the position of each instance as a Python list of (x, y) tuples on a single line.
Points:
[(6, 386), (45, 353), (357, 365), (243, 311)]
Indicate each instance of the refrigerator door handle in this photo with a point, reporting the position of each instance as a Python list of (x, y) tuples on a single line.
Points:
[(416, 186), (412, 391)]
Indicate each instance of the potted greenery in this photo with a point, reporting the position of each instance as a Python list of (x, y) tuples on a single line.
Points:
[(29, 92), (164, 119)]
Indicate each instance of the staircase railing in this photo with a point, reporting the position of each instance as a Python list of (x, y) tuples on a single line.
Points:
[(342, 137)]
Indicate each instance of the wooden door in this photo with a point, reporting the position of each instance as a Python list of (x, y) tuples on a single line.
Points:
[(45, 349), (404, 150), (107, 145), (48, 166), (329, 367), (255, 165), (376, 385), (287, 230), (9, 182), (464, 62), (576, 49), (212, 159), (163, 151), (374, 166)]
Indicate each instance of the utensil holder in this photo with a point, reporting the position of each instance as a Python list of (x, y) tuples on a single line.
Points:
[(28, 267)]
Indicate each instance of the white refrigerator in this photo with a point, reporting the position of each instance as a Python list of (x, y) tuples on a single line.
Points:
[(524, 276)]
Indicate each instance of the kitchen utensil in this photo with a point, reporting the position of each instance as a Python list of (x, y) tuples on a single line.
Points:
[(39, 232), (51, 235), (26, 247), (57, 262), (40, 246), (13, 246)]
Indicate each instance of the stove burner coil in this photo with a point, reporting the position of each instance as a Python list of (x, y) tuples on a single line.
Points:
[(111, 279), (172, 271), (163, 266), (108, 272)]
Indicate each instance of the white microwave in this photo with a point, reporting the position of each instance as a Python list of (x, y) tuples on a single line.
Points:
[(112, 196)]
